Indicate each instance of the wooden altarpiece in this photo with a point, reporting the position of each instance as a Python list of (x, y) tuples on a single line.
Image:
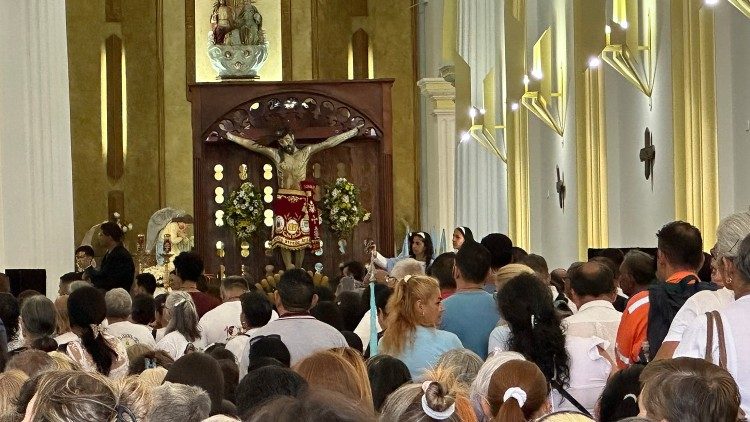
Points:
[(313, 111)]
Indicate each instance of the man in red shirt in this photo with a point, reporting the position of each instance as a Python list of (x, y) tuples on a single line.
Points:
[(188, 267), (636, 274)]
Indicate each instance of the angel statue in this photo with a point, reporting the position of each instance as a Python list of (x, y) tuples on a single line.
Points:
[(176, 223), (296, 221)]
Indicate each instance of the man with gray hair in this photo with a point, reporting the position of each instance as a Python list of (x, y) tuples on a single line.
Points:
[(179, 403), (732, 229), (119, 305)]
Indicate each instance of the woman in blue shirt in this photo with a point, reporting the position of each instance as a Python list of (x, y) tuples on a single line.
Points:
[(412, 315)]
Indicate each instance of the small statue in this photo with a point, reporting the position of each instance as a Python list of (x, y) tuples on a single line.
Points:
[(250, 22), (222, 21)]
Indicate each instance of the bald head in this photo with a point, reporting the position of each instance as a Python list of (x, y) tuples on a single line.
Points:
[(591, 280)]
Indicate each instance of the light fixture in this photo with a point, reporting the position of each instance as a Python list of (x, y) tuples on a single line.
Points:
[(594, 62), (607, 29), (472, 112), (630, 42), (514, 106), (482, 111), (741, 5), (537, 74), (712, 2), (465, 136), (546, 98), (526, 79)]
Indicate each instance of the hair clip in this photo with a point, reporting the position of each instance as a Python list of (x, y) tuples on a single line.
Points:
[(179, 302), (533, 321), (515, 393), (630, 396), (406, 279), (122, 411), (150, 363), (434, 414)]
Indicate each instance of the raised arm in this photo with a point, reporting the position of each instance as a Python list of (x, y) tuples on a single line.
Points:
[(334, 140), (254, 146)]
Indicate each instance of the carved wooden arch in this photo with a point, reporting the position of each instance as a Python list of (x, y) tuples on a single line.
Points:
[(259, 110), (307, 114)]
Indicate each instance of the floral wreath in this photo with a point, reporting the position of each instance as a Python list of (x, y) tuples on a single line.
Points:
[(342, 209), (243, 212)]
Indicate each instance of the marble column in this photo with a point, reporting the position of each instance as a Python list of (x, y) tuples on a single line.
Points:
[(438, 157), (36, 195)]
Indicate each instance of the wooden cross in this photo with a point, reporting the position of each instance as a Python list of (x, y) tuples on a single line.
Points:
[(560, 187), (648, 154)]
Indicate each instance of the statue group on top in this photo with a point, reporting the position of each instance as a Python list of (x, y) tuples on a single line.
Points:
[(237, 44)]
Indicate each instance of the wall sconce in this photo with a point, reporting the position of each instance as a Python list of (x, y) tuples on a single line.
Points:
[(630, 42), (545, 100), (741, 5), (483, 134)]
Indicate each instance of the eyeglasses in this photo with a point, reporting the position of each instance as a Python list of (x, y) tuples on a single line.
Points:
[(715, 254), (259, 338)]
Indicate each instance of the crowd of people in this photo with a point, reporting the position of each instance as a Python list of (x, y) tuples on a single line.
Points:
[(485, 333)]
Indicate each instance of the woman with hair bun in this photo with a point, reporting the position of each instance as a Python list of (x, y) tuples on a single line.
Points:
[(413, 312), (94, 350), (183, 334), (426, 402), (518, 392), (461, 234)]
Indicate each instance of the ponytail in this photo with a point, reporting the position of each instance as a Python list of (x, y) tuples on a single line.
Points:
[(46, 344), (512, 408), (99, 349)]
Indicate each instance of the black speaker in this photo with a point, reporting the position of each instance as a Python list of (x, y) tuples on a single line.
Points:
[(27, 279)]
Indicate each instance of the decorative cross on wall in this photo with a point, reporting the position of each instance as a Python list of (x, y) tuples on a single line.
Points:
[(648, 154), (560, 187)]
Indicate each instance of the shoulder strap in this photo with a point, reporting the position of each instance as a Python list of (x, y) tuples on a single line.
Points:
[(709, 336), (557, 386), (722, 340)]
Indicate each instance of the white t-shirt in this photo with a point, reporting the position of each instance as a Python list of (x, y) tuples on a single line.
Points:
[(737, 340), (363, 329), (589, 372), (238, 346), (698, 304), (222, 323), (130, 334), (303, 335), (597, 318), (175, 344), (65, 338)]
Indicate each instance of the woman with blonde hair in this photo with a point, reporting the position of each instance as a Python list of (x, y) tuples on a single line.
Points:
[(10, 385), (62, 329), (76, 396), (518, 392), (413, 312), (183, 333), (424, 402), (331, 371)]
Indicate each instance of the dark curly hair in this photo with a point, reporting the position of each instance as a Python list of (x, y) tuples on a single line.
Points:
[(526, 305)]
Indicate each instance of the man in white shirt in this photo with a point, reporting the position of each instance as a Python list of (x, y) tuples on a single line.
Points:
[(593, 290), (222, 323), (119, 305), (736, 330), (300, 331)]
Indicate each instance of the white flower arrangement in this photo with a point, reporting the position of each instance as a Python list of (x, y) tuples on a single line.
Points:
[(342, 210), (243, 212)]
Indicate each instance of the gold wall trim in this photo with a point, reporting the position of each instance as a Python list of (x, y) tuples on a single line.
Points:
[(591, 144), (161, 119), (694, 117), (286, 40), (314, 38), (189, 44), (516, 122)]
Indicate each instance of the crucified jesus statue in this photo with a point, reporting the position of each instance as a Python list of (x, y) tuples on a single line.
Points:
[(296, 218)]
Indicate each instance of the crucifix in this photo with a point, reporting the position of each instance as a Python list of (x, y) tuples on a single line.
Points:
[(560, 188), (648, 154)]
